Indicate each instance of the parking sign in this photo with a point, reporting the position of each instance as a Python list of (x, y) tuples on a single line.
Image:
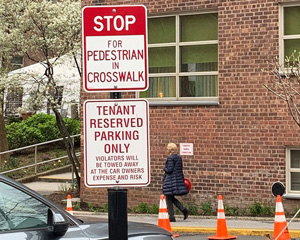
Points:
[(116, 143)]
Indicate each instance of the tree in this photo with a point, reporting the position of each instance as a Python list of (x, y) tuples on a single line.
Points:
[(285, 83), (3, 139), (43, 31)]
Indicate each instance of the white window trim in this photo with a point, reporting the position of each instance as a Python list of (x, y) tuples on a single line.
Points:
[(288, 192), (282, 37), (182, 100)]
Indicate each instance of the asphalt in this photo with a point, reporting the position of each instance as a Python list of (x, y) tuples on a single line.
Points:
[(253, 226)]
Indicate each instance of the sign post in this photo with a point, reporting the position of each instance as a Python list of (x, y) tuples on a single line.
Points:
[(116, 132)]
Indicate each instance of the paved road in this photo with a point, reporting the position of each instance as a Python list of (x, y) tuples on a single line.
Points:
[(244, 228)]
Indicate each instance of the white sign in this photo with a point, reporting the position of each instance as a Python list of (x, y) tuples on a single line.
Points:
[(186, 149), (115, 48), (116, 143)]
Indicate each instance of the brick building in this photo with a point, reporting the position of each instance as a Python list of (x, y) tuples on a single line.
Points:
[(206, 88)]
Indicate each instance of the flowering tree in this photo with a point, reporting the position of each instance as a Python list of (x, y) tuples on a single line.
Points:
[(285, 84), (43, 31)]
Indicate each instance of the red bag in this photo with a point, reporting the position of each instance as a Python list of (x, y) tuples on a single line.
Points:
[(188, 183)]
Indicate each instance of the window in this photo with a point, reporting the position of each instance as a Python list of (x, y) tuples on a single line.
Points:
[(183, 58), (19, 210), (12, 63), (16, 62), (13, 101), (293, 171), (290, 31)]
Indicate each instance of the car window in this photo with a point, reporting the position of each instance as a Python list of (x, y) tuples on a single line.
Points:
[(19, 210)]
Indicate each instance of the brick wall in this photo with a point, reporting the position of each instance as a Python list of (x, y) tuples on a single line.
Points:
[(239, 145)]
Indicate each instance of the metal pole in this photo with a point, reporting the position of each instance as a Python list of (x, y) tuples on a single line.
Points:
[(35, 160), (117, 214), (117, 206)]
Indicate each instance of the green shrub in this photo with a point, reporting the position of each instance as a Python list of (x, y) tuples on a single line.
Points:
[(13, 119), (193, 209), (46, 124), (206, 208), (145, 208), (21, 135), (268, 211), (258, 209), (105, 207), (38, 128), (73, 125), (231, 211)]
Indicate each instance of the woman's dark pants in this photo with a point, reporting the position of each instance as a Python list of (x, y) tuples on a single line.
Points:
[(170, 199)]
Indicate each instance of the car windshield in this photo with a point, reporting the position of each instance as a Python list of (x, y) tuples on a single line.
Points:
[(19, 210)]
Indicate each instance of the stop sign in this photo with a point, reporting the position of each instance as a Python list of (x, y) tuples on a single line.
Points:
[(115, 48)]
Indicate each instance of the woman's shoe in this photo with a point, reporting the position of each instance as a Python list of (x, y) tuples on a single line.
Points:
[(172, 220), (185, 213)]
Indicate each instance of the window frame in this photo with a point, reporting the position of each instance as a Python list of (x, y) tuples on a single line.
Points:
[(13, 100), (288, 192), (283, 37), (177, 100)]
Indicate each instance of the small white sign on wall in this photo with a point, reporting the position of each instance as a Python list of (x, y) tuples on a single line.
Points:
[(186, 149)]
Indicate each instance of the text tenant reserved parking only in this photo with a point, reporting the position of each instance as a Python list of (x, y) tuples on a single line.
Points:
[(114, 42), (116, 143)]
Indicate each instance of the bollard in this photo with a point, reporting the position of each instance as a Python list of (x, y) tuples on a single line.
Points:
[(117, 214)]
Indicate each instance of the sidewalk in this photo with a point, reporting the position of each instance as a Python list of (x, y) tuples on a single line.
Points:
[(52, 183), (201, 224)]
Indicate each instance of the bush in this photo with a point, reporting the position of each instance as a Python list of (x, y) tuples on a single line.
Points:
[(258, 210), (36, 129), (46, 124), (73, 125), (193, 209), (20, 135), (206, 208), (145, 208)]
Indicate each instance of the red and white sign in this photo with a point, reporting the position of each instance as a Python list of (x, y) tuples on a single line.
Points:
[(115, 53), (186, 149), (116, 143)]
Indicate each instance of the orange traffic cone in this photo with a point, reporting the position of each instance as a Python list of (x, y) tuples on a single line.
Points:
[(163, 216), (221, 223), (280, 226), (69, 205)]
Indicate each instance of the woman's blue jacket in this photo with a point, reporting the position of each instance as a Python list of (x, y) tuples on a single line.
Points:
[(173, 183)]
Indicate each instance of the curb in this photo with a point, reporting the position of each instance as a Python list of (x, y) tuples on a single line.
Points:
[(211, 230)]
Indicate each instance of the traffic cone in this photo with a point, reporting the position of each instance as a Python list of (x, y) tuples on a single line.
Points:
[(221, 223), (163, 216), (69, 205), (280, 222)]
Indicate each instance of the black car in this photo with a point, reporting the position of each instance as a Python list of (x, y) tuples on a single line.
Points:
[(26, 215)]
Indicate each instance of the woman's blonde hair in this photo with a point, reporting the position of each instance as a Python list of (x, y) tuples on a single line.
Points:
[(172, 148)]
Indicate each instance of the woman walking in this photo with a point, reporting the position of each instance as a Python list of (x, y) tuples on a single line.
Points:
[(173, 183)]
